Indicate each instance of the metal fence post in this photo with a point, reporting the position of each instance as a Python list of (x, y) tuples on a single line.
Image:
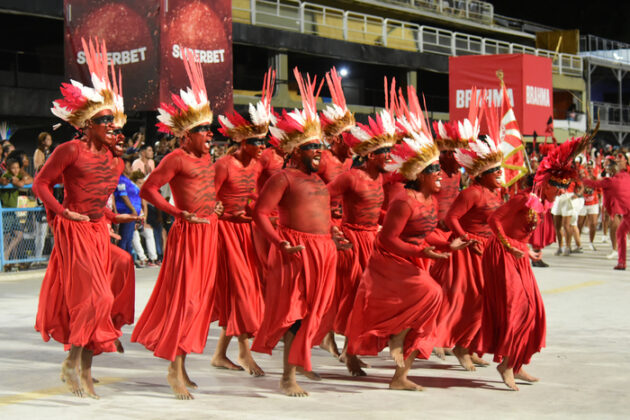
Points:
[(1, 239), (345, 25), (420, 40), (384, 31), (302, 5), (252, 11)]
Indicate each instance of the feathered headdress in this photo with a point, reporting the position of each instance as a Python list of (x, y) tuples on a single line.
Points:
[(453, 135), (558, 166), (297, 127), (379, 132), (191, 107), (417, 150), (336, 118), (485, 154), (79, 102), (238, 128), (5, 131)]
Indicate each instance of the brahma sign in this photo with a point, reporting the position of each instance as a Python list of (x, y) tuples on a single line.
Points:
[(528, 80), (145, 40)]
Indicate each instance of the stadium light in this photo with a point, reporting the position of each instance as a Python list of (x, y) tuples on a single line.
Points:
[(343, 72)]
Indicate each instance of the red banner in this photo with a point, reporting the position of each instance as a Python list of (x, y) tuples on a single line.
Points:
[(528, 81), (132, 44), (145, 39), (205, 26)]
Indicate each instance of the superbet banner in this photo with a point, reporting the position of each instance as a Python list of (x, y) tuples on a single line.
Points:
[(528, 80), (145, 40)]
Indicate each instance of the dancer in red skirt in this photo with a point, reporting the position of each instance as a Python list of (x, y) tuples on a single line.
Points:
[(76, 299), (303, 258), (461, 276), (176, 319), (239, 302), (397, 301), (513, 325), (336, 121)]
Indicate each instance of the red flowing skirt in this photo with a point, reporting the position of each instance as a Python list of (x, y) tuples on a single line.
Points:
[(350, 269), (123, 281), (513, 322), (461, 278), (75, 301), (239, 304), (299, 287), (395, 293), (176, 319), (545, 233)]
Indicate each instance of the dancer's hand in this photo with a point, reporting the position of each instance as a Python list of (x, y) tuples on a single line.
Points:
[(340, 241), (218, 208), (535, 255), (74, 216), (287, 248), (516, 252), (192, 218), (240, 216), (462, 242), (127, 218), (429, 252)]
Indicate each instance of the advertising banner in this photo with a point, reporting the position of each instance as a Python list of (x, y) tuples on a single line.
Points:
[(528, 82), (206, 28), (130, 29), (146, 40)]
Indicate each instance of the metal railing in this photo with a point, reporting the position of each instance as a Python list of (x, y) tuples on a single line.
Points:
[(611, 114), (330, 22), (608, 49), (480, 11), (26, 237)]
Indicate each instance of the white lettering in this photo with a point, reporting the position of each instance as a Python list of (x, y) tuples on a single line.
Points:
[(119, 57), (539, 96), (81, 57), (201, 56), (494, 97), (459, 98)]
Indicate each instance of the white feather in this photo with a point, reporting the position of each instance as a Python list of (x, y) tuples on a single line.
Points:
[(88, 92), (226, 122), (360, 134), (277, 133)]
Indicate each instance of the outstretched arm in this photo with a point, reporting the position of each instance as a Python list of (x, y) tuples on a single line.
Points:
[(339, 185)]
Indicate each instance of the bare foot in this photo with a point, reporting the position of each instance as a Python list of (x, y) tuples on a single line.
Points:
[(396, 343), (448, 352), (88, 384), (250, 365), (524, 376), (329, 344), (71, 378), (439, 352), (478, 360), (177, 385), (224, 363), (313, 376), (404, 384), (354, 366), (508, 377), (464, 358), (119, 346), (187, 381), (291, 388)]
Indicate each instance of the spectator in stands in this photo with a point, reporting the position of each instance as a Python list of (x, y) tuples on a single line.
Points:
[(145, 162), (145, 230), (22, 157), (134, 143), (43, 150), (7, 147), (12, 230), (127, 197)]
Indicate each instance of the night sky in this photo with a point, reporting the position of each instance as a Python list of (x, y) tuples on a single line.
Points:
[(608, 19)]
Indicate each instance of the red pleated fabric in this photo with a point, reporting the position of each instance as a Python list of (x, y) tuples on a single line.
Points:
[(544, 234), (513, 322), (395, 293), (176, 319), (299, 287), (123, 281), (239, 304), (350, 269), (76, 299), (461, 278)]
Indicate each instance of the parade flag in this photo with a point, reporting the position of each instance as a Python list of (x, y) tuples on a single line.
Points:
[(511, 143)]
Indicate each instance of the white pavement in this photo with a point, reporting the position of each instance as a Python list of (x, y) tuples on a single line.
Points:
[(584, 370)]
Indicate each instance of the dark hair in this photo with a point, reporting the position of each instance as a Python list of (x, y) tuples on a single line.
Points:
[(18, 155), (144, 146), (12, 160), (5, 149), (136, 175), (40, 140)]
